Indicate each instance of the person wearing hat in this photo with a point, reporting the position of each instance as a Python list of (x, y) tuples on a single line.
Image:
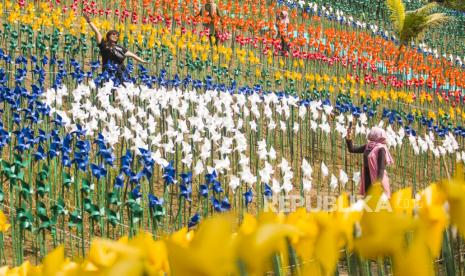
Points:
[(111, 52)]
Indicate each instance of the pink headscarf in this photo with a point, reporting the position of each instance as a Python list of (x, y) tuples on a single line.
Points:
[(377, 141)]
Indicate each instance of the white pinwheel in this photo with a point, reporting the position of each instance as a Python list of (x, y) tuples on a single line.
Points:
[(324, 170)]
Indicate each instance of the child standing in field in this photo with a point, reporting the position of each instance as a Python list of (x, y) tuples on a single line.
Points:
[(376, 157)]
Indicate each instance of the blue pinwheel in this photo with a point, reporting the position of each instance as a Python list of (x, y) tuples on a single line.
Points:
[(203, 190), (40, 154), (225, 205), (98, 171), (216, 187), (136, 193), (186, 178), (119, 181), (194, 220), (248, 196), (267, 192), (186, 191), (126, 161), (154, 201), (169, 174)]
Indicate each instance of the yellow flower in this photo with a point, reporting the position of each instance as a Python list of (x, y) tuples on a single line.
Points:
[(105, 25), (309, 77), (352, 91), (331, 89), (105, 253), (402, 201), (433, 217), (13, 17), (439, 98), (26, 268), (54, 261), (452, 113), (455, 191), (248, 225), (346, 217), (328, 242), (431, 115), (4, 225), (441, 112), (182, 237), (393, 95), (256, 248), (210, 252), (414, 260), (155, 252), (378, 224), (304, 243)]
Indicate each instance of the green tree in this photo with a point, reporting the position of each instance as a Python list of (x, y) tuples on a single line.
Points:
[(411, 25)]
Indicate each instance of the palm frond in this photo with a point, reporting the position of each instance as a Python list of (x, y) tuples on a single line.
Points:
[(436, 19), (417, 23), (397, 10), (426, 9)]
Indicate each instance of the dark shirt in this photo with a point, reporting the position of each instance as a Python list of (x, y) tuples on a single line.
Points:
[(114, 54), (381, 162)]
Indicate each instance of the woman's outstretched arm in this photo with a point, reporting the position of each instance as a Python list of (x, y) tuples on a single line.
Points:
[(98, 35), (350, 146), (352, 149), (134, 56)]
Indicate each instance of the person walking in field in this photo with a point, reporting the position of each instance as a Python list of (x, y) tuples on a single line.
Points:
[(112, 54), (282, 23), (212, 14), (376, 157)]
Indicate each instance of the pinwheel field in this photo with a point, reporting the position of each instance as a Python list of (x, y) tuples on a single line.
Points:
[(227, 154)]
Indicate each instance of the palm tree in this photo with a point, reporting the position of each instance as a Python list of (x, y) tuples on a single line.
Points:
[(410, 25)]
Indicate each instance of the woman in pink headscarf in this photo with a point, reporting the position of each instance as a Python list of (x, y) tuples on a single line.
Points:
[(282, 22), (376, 157)]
